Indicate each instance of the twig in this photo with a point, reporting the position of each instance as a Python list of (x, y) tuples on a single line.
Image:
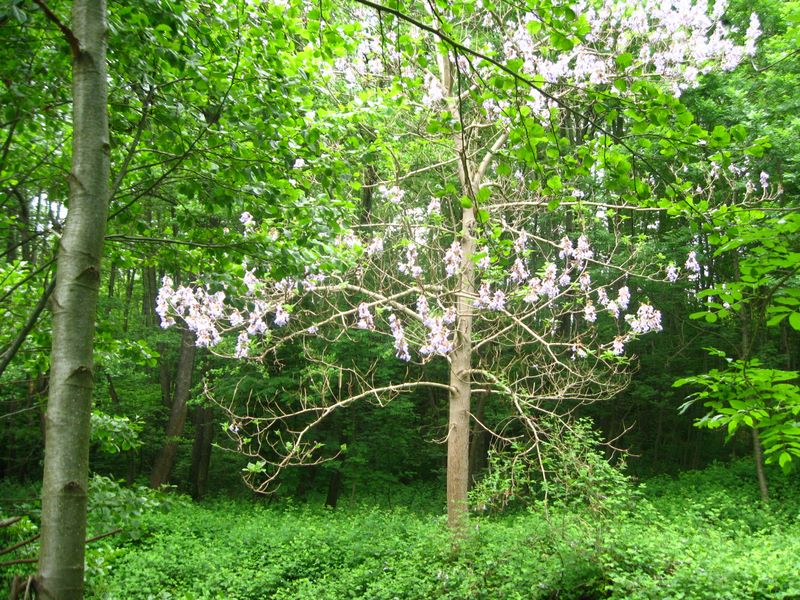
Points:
[(10, 521), (20, 544), (21, 561)]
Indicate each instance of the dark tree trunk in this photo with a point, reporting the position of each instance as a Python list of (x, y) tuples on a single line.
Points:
[(177, 418), (149, 293), (477, 444), (164, 374), (334, 488), (112, 393), (112, 280), (758, 457), (201, 451), (128, 299)]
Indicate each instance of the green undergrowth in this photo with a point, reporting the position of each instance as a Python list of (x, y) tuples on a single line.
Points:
[(703, 535)]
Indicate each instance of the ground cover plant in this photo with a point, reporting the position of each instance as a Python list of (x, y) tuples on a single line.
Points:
[(704, 534)]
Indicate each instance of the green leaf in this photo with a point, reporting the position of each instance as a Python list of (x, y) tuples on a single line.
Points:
[(503, 169), (720, 136), (739, 132), (784, 459), (534, 27), (624, 60), (561, 42), (554, 183), (466, 202), (794, 321)]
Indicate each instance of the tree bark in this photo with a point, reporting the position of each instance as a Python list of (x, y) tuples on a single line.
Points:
[(112, 279), (66, 462), (758, 457), (461, 356), (164, 374), (177, 418), (149, 293), (470, 177), (477, 444), (334, 488), (460, 387), (201, 451), (128, 298)]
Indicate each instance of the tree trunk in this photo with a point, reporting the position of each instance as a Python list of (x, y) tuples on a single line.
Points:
[(149, 293), (66, 462), (334, 488), (460, 386), (177, 418), (164, 374), (112, 279), (758, 457), (128, 299), (201, 451), (477, 444)]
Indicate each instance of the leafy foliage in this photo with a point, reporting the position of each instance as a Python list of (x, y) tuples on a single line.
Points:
[(747, 393), (688, 537)]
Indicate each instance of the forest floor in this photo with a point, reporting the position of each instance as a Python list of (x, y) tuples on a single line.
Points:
[(704, 534)]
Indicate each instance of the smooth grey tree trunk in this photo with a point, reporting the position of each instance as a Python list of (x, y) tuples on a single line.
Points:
[(460, 385), (66, 462)]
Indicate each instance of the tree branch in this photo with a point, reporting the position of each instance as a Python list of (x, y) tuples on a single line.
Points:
[(12, 350), (69, 36)]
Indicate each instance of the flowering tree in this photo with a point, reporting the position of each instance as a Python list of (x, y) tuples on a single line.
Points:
[(497, 250)]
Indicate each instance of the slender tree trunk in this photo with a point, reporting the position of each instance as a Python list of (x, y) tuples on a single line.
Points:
[(149, 293), (477, 444), (112, 280), (461, 386), (201, 451), (128, 298), (112, 393), (164, 374), (66, 462), (748, 340), (470, 177), (758, 457), (334, 488), (177, 418)]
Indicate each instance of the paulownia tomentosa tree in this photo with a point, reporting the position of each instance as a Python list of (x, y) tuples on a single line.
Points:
[(495, 248)]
